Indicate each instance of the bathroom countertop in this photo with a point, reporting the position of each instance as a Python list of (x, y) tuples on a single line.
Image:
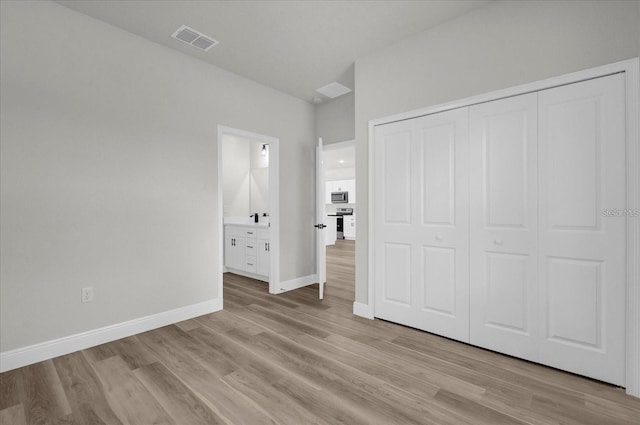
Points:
[(232, 221)]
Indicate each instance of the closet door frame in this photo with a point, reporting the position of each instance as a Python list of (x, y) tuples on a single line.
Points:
[(631, 69)]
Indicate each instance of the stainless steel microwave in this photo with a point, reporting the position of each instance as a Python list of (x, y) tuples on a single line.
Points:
[(339, 197)]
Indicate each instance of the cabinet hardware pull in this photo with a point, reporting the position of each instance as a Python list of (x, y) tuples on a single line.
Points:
[(249, 246)]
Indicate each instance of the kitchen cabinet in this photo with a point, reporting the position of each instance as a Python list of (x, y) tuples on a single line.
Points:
[(247, 251), (349, 226)]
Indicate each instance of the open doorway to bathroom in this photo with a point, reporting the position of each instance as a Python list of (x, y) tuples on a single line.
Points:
[(248, 206)]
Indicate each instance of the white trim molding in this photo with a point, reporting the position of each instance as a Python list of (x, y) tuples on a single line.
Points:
[(631, 69), (299, 282), (362, 310), (632, 72), (19, 357)]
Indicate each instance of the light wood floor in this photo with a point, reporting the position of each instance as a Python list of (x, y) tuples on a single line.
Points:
[(292, 359)]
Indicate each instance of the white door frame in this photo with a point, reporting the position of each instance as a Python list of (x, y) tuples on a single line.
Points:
[(631, 68), (274, 206)]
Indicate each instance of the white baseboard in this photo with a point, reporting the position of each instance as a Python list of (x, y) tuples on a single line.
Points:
[(19, 357), (362, 310), (299, 282)]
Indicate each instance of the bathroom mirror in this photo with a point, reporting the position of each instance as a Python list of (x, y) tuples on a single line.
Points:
[(245, 177)]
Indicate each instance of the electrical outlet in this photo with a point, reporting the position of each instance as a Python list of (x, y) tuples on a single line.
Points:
[(87, 294)]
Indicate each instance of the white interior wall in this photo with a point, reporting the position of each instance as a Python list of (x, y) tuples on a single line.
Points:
[(259, 189), (108, 173), (497, 46), (335, 119)]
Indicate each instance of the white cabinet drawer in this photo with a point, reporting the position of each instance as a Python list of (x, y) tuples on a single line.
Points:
[(251, 264), (250, 247)]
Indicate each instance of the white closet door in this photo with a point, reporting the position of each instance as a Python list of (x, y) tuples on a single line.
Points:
[(442, 224), (393, 221), (503, 225), (421, 221), (582, 251)]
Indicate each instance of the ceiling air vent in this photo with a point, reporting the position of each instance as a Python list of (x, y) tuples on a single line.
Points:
[(333, 90), (194, 38)]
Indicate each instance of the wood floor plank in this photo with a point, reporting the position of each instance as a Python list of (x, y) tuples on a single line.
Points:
[(433, 377), (129, 398), (13, 415), (282, 383), (177, 399), (387, 402), (474, 412), (174, 356), (128, 349), (44, 397), (11, 388), (187, 325), (283, 408), (197, 370), (223, 321), (84, 390), (343, 410)]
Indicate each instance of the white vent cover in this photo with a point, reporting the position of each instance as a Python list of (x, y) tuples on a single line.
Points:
[(333, 90), (194, 38)]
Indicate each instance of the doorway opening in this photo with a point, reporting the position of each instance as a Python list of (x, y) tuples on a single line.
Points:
[(340, 206), (248, 215)]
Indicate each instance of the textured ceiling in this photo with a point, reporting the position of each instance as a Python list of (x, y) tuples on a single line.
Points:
[(292, 46)]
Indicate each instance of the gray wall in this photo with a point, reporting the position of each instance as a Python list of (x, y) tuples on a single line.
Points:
[(497, 46), (108, 173), (335, 120)]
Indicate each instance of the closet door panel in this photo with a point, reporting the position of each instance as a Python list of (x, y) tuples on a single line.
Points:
[(503, 225), (394, 222), (582, 250), (442, 231), (421, 223)]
